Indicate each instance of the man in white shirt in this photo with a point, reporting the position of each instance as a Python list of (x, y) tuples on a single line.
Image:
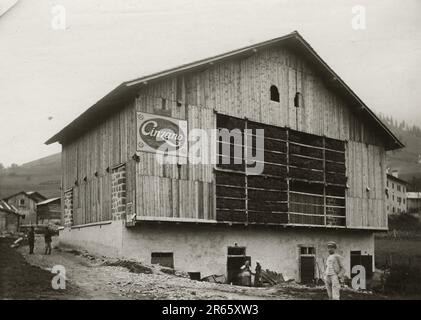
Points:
[(334, 272)]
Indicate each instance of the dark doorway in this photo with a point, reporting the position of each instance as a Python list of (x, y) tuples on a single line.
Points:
[(307, 264), (307, 269), (234, 265), (235, 260), (365, 260)]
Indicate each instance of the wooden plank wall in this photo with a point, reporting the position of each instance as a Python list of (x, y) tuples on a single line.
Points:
[(366, 199), (85, 162), (181, 190), (239, 88)]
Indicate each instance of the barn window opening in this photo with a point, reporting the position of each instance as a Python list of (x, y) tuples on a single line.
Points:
[(307, 250), (298, 100), (274, 93), (236, 251), (164, 259), (21, 202), (163, 103), (194, 276)]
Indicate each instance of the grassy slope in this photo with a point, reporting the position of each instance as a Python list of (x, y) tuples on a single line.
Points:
[(400, 247), (42, 175)]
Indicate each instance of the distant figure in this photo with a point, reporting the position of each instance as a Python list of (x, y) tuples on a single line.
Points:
[(47, 238), (334, 272), (245, 274), (258, 275), (31, 240)]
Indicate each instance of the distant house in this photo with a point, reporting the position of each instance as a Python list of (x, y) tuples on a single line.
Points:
[(9, 217), (26, 204), (396, 202), (49, 211), (414, 202)]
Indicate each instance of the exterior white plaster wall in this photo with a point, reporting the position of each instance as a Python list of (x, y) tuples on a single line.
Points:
[(203, 248), (103, 239)]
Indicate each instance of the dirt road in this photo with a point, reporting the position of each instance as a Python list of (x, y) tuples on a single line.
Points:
[(25, 276)]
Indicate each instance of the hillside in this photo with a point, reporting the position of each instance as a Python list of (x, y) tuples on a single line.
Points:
[(42, 175), (408, 159)]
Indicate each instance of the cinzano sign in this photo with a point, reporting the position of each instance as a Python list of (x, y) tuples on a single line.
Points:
[(159, 134)]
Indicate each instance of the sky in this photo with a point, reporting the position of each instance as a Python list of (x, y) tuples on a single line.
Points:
[(49, 76)]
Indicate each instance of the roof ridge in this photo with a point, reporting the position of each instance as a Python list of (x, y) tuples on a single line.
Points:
[(125, 87)]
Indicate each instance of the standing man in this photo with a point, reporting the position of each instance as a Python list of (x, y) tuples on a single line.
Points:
[(31, 240), (258, 274), (47, 238), (334, 272)]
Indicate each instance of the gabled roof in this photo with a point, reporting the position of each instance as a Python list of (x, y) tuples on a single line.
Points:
[(48, 201), (34, 195), (4, 206), (392, 177), (128, 90)]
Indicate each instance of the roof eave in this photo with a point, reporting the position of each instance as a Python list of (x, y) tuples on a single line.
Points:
[(59, 137), (397, 144)]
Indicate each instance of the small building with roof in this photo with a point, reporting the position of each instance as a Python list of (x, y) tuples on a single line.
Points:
[(26, 204), (49, 211), (9, 218), (414, 202)]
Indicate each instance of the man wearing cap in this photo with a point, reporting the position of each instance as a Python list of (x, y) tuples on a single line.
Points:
[(258, 274), (334, 271)]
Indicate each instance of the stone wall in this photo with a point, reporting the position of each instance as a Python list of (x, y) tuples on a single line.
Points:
[(118, 192), (68, 208)]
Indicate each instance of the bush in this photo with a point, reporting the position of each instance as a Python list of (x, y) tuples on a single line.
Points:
[(403, 279), (405, 222)]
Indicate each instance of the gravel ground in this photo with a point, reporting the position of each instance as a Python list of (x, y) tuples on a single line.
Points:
[(25, 276)]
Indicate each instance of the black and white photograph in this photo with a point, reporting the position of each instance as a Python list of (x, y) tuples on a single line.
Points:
[(227, 153)]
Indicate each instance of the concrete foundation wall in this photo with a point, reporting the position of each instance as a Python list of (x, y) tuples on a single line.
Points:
[(103, 239), (203, 248)]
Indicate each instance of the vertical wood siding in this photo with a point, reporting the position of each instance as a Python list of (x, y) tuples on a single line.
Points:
[(238, 88)]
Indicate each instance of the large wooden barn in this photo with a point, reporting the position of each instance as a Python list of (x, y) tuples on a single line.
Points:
[(323, 178)]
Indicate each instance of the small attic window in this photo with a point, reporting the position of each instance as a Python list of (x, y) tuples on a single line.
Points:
[(274, 93), (298, 100)]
